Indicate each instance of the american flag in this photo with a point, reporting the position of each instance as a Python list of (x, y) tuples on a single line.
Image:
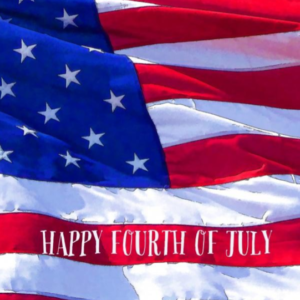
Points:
[(129, 113)]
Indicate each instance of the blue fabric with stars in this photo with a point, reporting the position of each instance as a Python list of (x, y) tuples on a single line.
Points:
[(71, 115), (75, 21)]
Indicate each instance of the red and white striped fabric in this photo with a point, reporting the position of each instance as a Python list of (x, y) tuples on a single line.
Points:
[(221, 81), (235, 66), (258, 201)]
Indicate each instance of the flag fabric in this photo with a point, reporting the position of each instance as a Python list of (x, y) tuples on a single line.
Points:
[(57, 115), (60, 19), (121, 114), (182, 158), (239, 71), (257, 201)]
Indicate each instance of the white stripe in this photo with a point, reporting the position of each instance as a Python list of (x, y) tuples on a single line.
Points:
[(255, 201), (57, 277), (178, 124), (263, 51), (191, 281), (137, 60), (46, 275), (219, 117), (112, 5)]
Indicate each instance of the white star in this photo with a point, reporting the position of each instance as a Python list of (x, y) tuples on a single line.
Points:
[(25, 51), (115, 101), (6, 21), (91, 49), (70, 76), (70, 160), (94, 139), (68, 20), (27, 131), (20, 1), (49, 113), (4, 154), (6, 89), (138, 163)]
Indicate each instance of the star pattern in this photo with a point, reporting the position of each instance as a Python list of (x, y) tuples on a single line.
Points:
[(76, 92), (67, 19), (138, 163), (27, 131), (115, 101), (6, 88), (70, 76), (94, 139), (49, 113), (4, 155), (70, 160), (25, 51)]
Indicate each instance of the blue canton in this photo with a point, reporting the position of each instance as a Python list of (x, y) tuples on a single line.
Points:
[(75, 21), (69, 114)]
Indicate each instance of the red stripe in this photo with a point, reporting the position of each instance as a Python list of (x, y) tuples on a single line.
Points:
[(274, 88), (231, 158), (153, 25), (279, 9), (13, 296), (20, 233)]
